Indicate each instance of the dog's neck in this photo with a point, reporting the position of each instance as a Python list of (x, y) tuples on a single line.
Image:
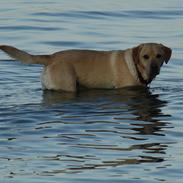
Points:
[(140, 77), (133, 68)]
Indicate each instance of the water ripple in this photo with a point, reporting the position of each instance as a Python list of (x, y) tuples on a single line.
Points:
[(110, 14), (27, 27), (128, 135)]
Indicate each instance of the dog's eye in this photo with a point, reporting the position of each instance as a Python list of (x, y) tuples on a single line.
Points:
[(158, 56), (146, 57)]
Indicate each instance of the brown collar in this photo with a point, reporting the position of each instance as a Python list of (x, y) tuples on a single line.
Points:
[(141, 79)]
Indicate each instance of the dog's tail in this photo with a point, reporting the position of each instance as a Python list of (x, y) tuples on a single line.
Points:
[(26, 57)]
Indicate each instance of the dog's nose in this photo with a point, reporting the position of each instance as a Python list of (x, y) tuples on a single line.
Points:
[(154, 69)]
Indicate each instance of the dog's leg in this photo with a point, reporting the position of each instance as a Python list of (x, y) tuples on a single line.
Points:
[(60, 76)]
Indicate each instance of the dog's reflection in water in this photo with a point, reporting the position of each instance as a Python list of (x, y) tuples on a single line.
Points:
[(145, 119), (140, 101)]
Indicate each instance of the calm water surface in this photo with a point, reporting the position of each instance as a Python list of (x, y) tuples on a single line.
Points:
[(130, 135)]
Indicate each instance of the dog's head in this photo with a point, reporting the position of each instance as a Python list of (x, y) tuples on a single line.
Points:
[(149, 58)]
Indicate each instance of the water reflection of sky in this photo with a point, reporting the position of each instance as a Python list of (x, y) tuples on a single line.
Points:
[(130, 135)]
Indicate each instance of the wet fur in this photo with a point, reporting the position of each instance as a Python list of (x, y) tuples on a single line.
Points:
[(64, 70)]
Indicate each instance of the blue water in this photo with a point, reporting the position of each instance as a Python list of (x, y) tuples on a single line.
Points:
[(132, 135)]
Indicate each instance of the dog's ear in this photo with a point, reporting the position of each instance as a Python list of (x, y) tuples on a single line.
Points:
[(167, 53), (136, 53)]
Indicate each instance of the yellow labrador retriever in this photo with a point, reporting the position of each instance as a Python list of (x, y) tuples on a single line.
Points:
[(66, 70)]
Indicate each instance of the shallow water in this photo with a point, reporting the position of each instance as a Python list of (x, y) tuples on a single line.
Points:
[(128, 135)]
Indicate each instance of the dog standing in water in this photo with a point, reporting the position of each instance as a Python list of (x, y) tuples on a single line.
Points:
[(66, 70)]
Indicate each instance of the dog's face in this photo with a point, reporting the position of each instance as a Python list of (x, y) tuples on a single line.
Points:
[(149, 58)]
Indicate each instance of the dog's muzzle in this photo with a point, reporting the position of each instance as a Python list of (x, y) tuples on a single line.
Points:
[(154, 71)]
